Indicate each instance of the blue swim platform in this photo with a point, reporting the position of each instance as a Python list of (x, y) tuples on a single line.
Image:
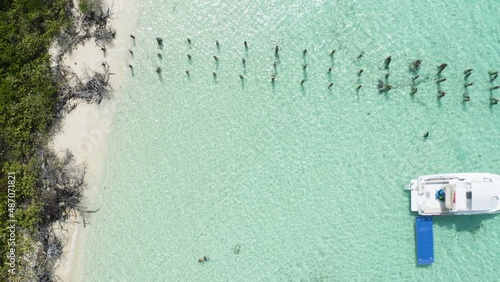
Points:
[(425, 240)]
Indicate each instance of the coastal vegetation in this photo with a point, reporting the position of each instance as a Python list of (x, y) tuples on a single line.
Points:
[(91, 22), (37, 188)]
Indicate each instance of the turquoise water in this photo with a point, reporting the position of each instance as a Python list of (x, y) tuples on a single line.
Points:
[(306, 182)]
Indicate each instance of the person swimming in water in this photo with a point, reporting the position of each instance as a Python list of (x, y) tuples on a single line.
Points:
[(203, 259)]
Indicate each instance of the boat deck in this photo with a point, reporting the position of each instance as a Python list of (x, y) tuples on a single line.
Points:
[(428, 202)]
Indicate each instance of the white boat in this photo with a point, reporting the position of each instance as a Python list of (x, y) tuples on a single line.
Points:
[(455, 194)]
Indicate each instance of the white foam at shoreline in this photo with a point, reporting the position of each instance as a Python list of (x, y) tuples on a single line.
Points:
[(85, 130)]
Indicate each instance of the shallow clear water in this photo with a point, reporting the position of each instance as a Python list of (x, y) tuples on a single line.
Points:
[(307, 182)]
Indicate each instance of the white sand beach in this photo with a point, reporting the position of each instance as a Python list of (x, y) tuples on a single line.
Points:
[(85, 130)]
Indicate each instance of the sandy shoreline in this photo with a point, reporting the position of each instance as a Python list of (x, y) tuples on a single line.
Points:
[(85, 130)]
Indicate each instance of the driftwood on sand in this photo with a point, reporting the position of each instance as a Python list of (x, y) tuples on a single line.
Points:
[(60, 190), (92, 86)]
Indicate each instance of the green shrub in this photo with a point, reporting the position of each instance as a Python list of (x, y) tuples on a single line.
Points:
[(27, 108), (87, 6)]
